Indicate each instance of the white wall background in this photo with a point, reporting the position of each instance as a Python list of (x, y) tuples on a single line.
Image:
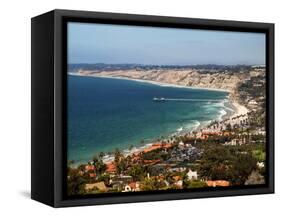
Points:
[(15, 106)]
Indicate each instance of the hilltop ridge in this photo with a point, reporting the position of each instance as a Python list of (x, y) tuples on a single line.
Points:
[(202, 76)]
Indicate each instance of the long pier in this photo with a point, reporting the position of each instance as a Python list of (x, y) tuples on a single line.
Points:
[(188, 100)]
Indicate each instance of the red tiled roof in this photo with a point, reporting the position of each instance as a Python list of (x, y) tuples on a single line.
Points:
[(176, 178), (215, 183), (92, 175), (132, 185), (157, 146), (89, 167), (151, 161), (110, 167)]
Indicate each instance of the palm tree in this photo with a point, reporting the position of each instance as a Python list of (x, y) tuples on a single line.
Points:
[(117, 155), (119, 161), (101, 155), (95, 159), (100, 167)]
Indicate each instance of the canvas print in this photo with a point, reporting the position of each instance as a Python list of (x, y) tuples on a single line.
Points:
[(153, 109)]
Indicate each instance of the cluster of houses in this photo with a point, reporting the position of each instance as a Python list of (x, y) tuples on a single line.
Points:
[(157, 169), (177, 165), (253, 98), (184, 152), (177, 162), (125, 183)]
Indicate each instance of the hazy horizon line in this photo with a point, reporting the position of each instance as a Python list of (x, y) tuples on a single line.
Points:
[(196, 64)]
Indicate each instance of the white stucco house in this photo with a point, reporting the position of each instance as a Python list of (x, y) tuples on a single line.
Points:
[(192, 175)]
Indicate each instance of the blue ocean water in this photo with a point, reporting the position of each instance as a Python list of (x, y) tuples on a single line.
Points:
[(105, 113)]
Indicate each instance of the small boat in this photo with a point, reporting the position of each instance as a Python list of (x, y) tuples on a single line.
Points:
[(159, 99)]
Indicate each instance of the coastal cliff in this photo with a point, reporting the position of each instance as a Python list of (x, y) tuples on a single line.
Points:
[(234, 79), (228, 81)]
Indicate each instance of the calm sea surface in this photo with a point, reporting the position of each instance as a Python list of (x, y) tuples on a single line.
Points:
[(105, 114)]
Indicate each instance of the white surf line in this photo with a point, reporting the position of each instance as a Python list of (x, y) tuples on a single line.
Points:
[(193, 100)]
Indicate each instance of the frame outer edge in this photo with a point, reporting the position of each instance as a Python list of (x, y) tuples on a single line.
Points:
[(58, 100)]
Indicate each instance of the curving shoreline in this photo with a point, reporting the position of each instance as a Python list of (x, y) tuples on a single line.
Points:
[(148, 81), (238, 110)]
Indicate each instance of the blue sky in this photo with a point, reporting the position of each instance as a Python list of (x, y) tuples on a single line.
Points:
[(106, 43)]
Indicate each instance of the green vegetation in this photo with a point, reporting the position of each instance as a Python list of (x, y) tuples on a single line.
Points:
[(137, 172), (232, 152), (156, 155), (75, 183), (194, 184), (151, 184)]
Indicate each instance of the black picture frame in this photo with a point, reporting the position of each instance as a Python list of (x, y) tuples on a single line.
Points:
[(48, 69)]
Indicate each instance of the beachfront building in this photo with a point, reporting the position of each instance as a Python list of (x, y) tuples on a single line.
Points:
[(156, 146), (133, 186), (122, 178), (183, 145), (192, 175), (252, 102), (119, 182), (89, 168), (178, 183), (111, 168), (235, 142), (176, 169)]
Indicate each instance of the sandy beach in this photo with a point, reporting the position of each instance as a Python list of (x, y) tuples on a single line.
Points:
[(238, 111), (150, 82)]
